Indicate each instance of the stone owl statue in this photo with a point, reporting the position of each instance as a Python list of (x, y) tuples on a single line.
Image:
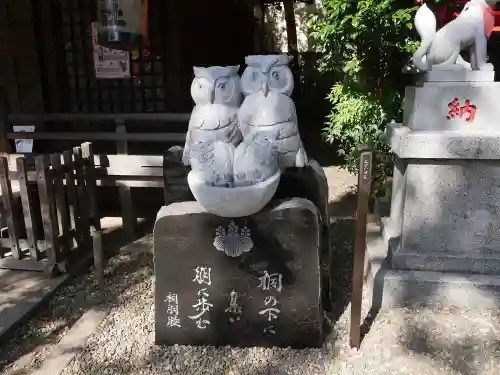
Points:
[(267, 84), (217, 96)]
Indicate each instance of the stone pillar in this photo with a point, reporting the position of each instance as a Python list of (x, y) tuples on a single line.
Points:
[(442, 239)]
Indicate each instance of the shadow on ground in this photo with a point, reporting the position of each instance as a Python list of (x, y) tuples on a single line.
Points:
[(343, 226), (51, 319)]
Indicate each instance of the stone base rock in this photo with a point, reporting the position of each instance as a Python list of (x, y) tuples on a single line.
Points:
[(252, 281)]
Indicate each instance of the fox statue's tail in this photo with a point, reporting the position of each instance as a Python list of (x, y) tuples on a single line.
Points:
[(425, 23)]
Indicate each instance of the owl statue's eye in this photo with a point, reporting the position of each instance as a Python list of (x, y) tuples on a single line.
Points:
[(222, 86), (275, 75)]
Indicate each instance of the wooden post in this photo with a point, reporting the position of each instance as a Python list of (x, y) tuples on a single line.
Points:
[(49, 216), (72, 197), (291, 32), (258, 39), (364, 190), (52, 68), (90, 181), (128, 214), (8, 208), (5, 147), (64, 230), (291, 26), (95, 219), (83, 203), (32, 234)]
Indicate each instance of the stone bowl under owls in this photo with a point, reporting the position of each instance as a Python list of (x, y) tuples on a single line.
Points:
[(236, 201)]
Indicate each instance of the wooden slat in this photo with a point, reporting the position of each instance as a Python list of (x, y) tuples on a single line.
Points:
[(8, 208), (25, 265), (82, 207), (127, 181), (72, 198), (4, 18), (143, 117), (131, 165), (125, 165), (174, 16), (5, 146), (95, 227), (90, 182), (64, 228), (125, 170), (49, 216), (28, 209), (98, 255), (52, 68), (128, 212), (23, 244), (25, 51), (93, 136)]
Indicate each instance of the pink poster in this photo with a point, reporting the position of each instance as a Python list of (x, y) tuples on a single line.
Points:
[(109, 63)]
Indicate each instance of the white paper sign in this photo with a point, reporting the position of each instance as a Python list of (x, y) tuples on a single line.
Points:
[(109, 63), (24, 146)]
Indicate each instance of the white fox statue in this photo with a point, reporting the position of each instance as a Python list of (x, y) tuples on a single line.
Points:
[(440, 49)]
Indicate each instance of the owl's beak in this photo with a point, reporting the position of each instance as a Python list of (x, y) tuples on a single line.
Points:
[(265, 87), (212, 95)]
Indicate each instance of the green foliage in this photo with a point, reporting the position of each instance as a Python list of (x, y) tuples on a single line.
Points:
[(368, 42), (356, 121)]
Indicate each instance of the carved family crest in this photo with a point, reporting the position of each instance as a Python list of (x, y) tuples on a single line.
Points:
[(233, 240)]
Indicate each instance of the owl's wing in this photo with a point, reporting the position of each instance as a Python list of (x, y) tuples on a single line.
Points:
[(187, 149)]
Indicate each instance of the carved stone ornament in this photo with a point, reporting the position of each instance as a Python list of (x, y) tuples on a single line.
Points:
[(233, 240), (440, 49)]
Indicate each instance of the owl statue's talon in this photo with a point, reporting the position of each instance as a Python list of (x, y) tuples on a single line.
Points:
[(255, 159), (301, 158)]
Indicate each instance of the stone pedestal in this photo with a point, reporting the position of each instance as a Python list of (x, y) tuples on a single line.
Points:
[(252, 281), (441, 242)]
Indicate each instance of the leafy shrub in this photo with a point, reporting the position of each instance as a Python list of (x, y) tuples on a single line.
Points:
[(358, 120), (368, 41)]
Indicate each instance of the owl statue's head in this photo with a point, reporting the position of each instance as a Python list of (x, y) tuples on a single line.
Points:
[(216, 85), (267, 73)]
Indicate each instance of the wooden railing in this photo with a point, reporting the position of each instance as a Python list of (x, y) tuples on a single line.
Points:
[(49, 208), (122, 170), (120, 120)]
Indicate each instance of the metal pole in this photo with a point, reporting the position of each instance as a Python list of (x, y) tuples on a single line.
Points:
[(364, 190)]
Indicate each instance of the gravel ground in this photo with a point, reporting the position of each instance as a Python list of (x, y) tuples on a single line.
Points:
[(400, 341)]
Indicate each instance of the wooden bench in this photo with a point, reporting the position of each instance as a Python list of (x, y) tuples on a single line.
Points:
[(121, 170), (59, 218)]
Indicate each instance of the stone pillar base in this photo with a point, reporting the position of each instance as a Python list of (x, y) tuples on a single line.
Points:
[(391, 287)]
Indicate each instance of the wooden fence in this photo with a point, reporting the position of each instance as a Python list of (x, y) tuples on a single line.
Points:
[(49, 211), (125, 171)]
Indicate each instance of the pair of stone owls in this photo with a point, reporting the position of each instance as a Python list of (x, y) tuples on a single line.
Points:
[(241, 144)]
